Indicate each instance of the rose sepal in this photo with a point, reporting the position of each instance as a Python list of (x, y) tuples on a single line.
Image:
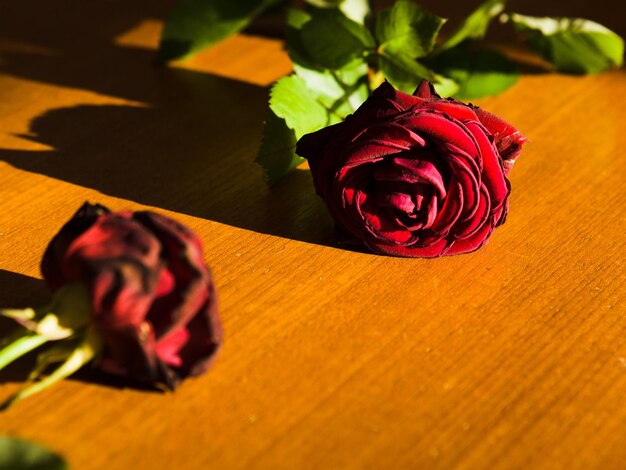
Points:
[(65, 323)]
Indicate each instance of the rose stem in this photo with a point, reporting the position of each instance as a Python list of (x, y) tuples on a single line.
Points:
[(19, 347), (77, 358)]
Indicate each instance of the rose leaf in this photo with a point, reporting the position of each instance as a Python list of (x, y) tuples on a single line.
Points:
[(23, 455), (196, 24), (408, 27), (291, 100), (356, 10), (294, 111), (331, 40), (277, 154), (342, 90), (478, 73), (405, 73), (475, 25), (572, 45), (298, 54)]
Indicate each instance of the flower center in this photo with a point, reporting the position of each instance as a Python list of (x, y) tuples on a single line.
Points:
[(409, 190)]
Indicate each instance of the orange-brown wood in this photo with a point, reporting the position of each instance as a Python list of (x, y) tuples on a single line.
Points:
[(511, 357)]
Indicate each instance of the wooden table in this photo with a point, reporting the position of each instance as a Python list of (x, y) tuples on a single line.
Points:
[(512, 357)]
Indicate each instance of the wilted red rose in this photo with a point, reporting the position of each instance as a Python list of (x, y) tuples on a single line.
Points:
[(414, 175), (152, 296)]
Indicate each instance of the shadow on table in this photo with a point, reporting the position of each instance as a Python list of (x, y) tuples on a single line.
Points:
[(186, 144), (167, 158)]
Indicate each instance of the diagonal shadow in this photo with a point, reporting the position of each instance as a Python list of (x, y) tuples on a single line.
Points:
[(190, 149), (194, 157)]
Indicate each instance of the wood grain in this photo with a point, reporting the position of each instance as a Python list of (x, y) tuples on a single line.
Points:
[(511, 357)]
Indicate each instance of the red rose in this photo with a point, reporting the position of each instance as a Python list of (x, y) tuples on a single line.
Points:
[(152, 298), (416, 176)]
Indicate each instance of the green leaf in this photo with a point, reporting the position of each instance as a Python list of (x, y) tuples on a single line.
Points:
[(475, 25), (294, 111), (478, 73), (356, 10), (409, 28), (402, 71), (196, 24), (296, 19), (341, 91), (277, 153), (17, 454), (572, 45), (331, 40), (445, 86), (291, 100)]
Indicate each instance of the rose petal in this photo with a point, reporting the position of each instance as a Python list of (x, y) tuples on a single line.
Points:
[(400, 99), (168, 348), (466, 174), (119, 260), (131, 351), (166, 283), (399, 201), (426, 91), (431, 212), (391, 134), (474, 242), (205, 338), (508, 139), (452, 108), (444, 130), (419, 170), (381, 140), (450, 211), (346, 196), (193, 301), (493, 173), (311, 146), (433, 250), (382, 227), (469, 227), (52, 261)]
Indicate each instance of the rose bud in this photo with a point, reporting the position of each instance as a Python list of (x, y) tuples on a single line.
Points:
[(414, 175), (131, 292)]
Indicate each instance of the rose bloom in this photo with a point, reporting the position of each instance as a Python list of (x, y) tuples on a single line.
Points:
[(414, 175), (152, 297)]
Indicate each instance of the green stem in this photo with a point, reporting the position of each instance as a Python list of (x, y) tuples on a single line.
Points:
[(19, 347), (77, 358)]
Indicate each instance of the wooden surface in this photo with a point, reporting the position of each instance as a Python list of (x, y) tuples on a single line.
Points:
[(512, 357)]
